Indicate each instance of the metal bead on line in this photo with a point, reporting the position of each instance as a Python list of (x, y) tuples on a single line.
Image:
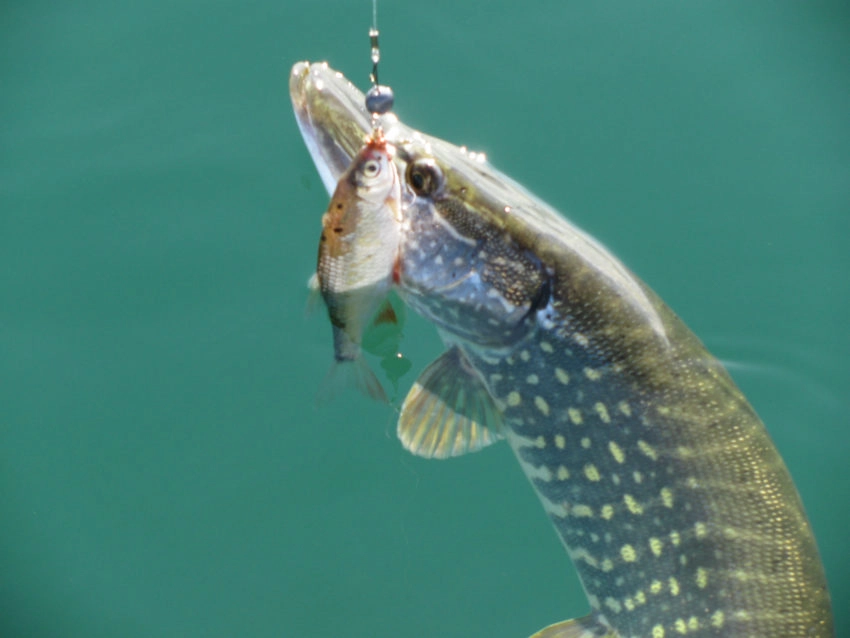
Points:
[(379, 100)]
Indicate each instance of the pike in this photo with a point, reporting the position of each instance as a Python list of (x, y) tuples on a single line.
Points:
[(663, 484)]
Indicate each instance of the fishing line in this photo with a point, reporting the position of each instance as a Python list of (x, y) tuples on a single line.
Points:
[(373, 40), (379, 99)]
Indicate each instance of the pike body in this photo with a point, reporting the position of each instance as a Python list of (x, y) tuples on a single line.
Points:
[(656, 473)]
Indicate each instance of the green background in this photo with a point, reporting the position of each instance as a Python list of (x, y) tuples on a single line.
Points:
[(165, 466)]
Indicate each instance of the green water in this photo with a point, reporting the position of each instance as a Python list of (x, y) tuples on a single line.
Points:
[(164, 468)]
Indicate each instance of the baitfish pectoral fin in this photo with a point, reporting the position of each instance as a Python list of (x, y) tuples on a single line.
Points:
[(586, 627), (314, 295), (448, 411)]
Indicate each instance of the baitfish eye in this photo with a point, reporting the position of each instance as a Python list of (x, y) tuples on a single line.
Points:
[(425, 177), (371, 168)]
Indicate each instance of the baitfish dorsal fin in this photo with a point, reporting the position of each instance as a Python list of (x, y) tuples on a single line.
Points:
[(586, 627), (448, 411)]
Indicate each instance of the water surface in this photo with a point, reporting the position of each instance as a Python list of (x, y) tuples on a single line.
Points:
[(164, 469)]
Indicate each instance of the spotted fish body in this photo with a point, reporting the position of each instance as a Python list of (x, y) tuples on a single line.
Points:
[(660, 479), (358, 249), (658, 476)]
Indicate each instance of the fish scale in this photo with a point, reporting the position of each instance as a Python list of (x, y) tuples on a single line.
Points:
[(593, 444), (626, 522), (658, 476), (642, 471)]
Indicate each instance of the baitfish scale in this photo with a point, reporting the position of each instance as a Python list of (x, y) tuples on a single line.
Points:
[(656, 473)]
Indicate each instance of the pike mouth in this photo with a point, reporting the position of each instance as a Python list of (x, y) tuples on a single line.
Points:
[(331, 114), (297, 91)]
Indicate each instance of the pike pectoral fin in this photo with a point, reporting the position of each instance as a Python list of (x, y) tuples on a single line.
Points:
[(587, 627), (448, 411)]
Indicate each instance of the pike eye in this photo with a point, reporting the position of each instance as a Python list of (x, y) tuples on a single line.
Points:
[(425, 177)]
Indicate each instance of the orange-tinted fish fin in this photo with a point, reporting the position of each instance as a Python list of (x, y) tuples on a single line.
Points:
[(383, 335), (586, 627), (386, 314), (356, 374), (448, 411)]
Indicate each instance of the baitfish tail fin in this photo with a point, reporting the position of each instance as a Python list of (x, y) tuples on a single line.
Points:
[(448, 411), (586, 627), (353, 373)]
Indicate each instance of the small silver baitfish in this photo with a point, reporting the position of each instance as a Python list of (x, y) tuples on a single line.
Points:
[(658, 476), (358, 251)]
